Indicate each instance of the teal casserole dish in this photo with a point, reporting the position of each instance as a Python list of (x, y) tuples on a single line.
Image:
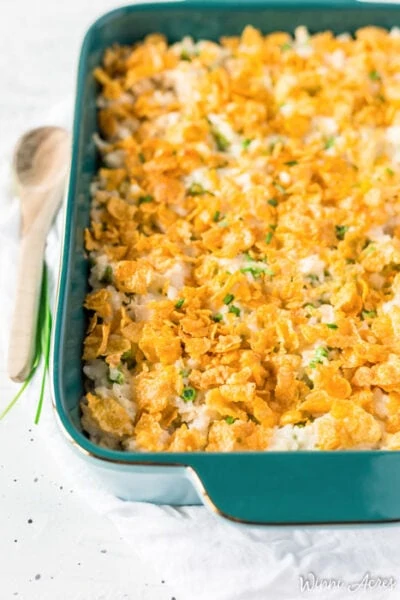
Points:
[(302, 487)]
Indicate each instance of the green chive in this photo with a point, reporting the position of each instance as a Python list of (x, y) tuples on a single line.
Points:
[(45, 339), (279, 187), (228, 299), (374, 75), (389, 171), (257, 271), (329, 142), (179, 303), (185, 56), (230, 420), (141, 157), (234, 309), (196, 189), (220, 140), (320, 354), (42, 349), (313, 278), (291, 163), (246, 143), (286, 47), (145, 199), (217, 317), (341, 231), (370, 248), (128, 359), (366, 244), (107, 275), (331, 325), (189, 394), (216, 216), (273, 202), (269, 237), (115, 376), (369, 314)]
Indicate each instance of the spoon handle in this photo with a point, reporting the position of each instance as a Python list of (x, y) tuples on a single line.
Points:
[(24, 324)]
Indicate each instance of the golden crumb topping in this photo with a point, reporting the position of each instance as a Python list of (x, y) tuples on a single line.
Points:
[(245, 244)]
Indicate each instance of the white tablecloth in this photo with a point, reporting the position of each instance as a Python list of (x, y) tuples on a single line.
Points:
[(198, 556)]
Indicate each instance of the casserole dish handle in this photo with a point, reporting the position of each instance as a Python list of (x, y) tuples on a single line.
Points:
[(272, 487)]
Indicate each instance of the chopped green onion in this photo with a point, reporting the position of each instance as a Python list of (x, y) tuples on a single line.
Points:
[(185, 55), (366, 243), (145, 199), (273, 202), (369, 314), (196, 189), (291, 163), (279, 187), (217, 317), (234, 309), (389, 171), (128, 359), (331, 325), (257, 271), (374, 75), (268, 237), (329, 142), (320, 354), (220, 140), (141, 157), (228, 299), (313, 278), (179, 303), (107, 275), (286, 46), (246, 143), (189, 394), (341, 231), (217, 216), (369, 248), (115, 376), (230, 420), (309, 383)]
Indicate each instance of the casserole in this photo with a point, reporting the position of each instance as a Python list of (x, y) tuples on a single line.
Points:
[(278, 487)]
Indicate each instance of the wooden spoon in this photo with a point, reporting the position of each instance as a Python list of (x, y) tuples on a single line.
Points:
[(41, 163)]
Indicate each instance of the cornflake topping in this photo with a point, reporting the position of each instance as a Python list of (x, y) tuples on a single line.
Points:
[(244, 244)]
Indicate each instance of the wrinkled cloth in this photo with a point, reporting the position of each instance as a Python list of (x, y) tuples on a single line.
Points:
[(202, 556)]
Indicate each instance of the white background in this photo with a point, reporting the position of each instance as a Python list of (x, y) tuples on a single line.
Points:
[(78, 555)]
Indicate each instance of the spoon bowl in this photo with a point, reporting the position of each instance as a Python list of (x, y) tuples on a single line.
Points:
[(40, 156), (40, 166)]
